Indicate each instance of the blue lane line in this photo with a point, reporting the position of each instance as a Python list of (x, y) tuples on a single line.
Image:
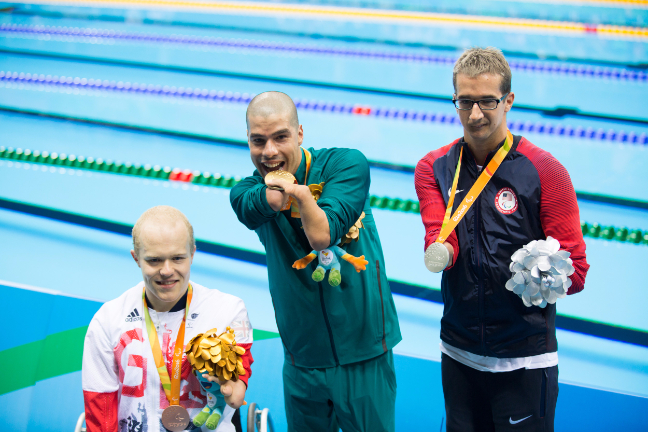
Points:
[(556, 112), (567, 323), (586, 196), (98, 34), (544, 128), (192, 21)]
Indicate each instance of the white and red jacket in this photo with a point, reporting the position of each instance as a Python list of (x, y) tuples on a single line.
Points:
[(121, 385)]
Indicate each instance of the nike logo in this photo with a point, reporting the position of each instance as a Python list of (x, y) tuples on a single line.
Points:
[(456, 192), (518, 421)]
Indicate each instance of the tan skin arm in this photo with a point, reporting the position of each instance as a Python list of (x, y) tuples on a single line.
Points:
[(450, 251), (314, 220)]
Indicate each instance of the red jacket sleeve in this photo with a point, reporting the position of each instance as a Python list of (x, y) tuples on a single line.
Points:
[(433, 206), (247, 362), (100, 411), (559, 213)]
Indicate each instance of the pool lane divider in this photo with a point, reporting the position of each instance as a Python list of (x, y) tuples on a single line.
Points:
[(549, 112), (580, 325), (586, 196), (93, 15), (97, 35), (284, 10), (594, 230), (157, 90)]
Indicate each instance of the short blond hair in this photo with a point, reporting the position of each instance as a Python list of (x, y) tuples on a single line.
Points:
[(165, 214), (477, 61)]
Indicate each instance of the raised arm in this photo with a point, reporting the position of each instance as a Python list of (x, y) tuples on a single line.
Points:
[(251, 203), (347, 180)]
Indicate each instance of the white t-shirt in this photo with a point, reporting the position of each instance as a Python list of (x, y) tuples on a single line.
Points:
[(494, 364)]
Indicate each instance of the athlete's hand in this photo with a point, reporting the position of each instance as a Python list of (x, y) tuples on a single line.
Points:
[(233, 391)]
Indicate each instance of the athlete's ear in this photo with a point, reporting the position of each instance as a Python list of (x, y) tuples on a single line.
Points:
[(509, 102), (134, 255)]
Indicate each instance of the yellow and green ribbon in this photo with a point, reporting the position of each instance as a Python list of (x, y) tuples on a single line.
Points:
[(450, 223), (171, 385)]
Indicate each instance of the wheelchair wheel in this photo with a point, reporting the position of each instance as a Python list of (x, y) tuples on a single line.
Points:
[(79, 426), (251, 417)]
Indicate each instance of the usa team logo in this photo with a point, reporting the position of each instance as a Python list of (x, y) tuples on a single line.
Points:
[(506, 201)]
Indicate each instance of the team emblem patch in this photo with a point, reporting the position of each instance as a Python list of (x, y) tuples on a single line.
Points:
[(506, 201)]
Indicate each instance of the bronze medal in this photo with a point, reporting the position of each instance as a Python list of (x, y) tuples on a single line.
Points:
[(175, 418)]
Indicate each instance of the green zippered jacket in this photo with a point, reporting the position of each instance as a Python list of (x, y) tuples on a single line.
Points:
[(323, 326)]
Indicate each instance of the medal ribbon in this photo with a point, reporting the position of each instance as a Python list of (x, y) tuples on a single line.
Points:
[(171, 385), (292, 204), (450, 223)]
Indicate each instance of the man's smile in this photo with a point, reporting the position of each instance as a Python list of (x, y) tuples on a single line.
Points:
[(273, 166)]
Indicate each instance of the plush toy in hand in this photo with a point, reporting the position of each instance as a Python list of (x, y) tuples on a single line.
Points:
[(214, 355), (213, 411), (328, 260)]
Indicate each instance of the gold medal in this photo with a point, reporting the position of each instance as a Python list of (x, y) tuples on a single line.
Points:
[(279, 174), (175, 418)]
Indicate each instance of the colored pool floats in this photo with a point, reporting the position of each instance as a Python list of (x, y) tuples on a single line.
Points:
[(622, 234), (217, 180), (117, 167), (96, 35), (555, 130), (163, 173)]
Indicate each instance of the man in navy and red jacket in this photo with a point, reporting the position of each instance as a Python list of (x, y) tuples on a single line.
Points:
[(499, 358)]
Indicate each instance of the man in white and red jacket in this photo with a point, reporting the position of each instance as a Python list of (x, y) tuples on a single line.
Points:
[(121, 385), (499, 358)]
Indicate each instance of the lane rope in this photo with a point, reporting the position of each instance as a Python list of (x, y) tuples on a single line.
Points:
[(303, 11), (108, 36), (23, 158), (47, 82)]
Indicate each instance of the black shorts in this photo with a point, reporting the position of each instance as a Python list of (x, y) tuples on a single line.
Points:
[(520, 400)]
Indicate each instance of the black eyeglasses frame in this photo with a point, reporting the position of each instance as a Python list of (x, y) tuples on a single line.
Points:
[(454, 101)]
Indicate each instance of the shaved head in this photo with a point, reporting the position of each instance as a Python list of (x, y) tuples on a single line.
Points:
[(272, 103), (161, 215)]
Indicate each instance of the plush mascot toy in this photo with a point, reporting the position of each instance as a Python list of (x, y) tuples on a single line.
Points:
[(328, 258), (215, 355), (213, 411)]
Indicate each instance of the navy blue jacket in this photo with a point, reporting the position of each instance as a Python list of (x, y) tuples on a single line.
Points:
[(529, 198)]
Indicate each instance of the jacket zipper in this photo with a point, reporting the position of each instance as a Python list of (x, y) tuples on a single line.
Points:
[(328, 324), (382, 306)]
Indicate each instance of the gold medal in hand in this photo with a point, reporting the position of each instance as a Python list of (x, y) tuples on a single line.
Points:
[(279, 174)]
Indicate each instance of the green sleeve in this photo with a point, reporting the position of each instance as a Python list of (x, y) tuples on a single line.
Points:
[(346, 190), (248, 199)]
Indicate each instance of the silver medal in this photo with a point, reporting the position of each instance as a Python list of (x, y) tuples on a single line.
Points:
[(436, 257)]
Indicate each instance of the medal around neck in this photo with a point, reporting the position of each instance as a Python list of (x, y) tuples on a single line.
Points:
[(540, 272), (436, 257), (279, 174), (175, 418)]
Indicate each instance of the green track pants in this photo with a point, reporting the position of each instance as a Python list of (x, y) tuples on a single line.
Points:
[(358, 397)]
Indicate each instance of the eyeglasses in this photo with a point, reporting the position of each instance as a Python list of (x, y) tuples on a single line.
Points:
[(484, 104)]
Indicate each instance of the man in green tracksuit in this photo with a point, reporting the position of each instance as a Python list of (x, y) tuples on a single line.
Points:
[(338, 340)]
